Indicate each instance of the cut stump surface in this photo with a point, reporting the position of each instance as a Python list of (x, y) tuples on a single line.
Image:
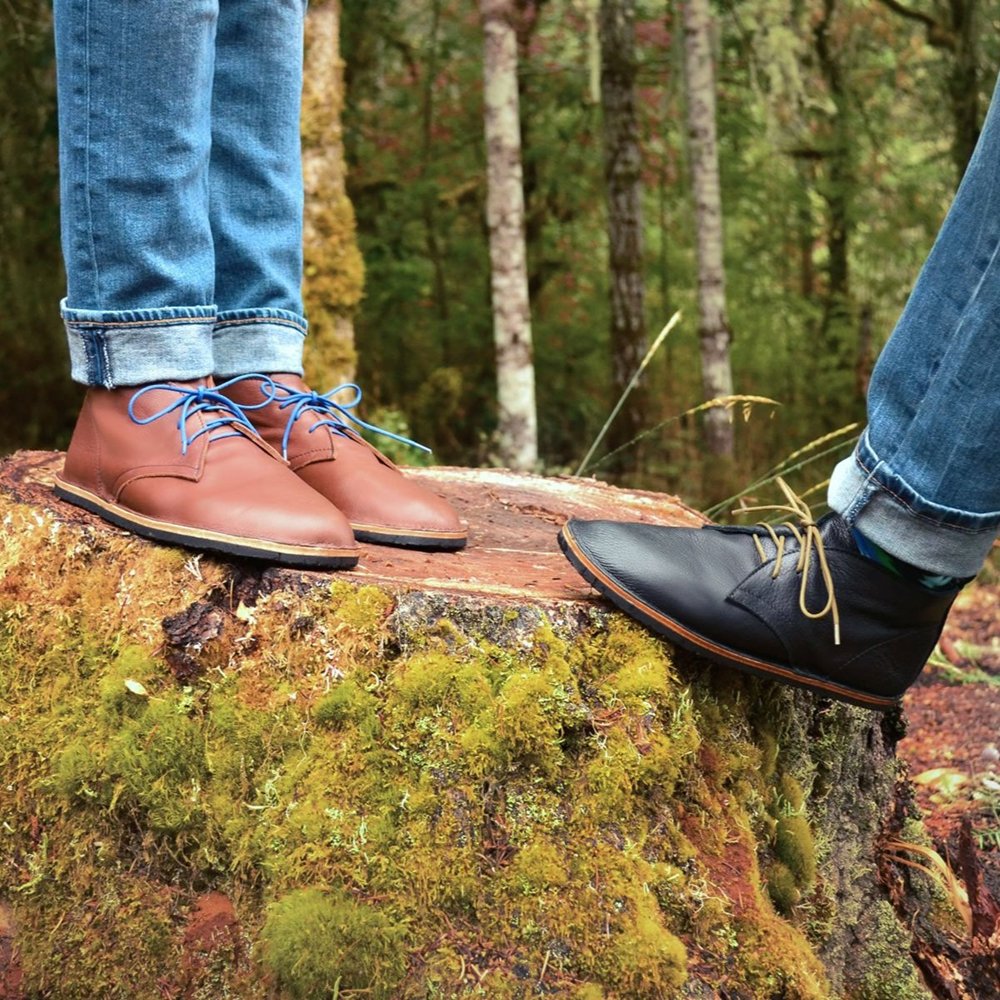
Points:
[(513, 519)]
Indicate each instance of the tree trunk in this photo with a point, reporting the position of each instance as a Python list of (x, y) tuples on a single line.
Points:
[(527, 15), (32, 279), (429, 203), (622, 171), (334, 270), (518, 431), (714, 331), (963, 84), (433, 775), (837, 353), (955, 31)]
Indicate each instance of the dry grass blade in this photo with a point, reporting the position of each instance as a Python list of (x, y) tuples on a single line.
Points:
[(662, 336), (940, 872), (787, 465), (726, 402)]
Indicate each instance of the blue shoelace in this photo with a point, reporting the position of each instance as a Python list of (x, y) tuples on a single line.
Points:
[(337, 412), (204, 399)]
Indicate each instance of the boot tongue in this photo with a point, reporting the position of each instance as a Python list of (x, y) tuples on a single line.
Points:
[(294, 382), (836, 532), (155, 400)]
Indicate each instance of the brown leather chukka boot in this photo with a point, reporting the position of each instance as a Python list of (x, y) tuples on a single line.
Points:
[(178, 463), (311, 432)]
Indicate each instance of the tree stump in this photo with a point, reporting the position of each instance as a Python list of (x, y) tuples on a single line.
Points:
[(437, 775)]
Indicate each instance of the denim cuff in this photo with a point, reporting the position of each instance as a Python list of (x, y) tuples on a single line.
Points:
[(134, 347), (258, 340), (871, 497)]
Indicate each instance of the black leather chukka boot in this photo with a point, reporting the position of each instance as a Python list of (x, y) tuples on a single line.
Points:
[(796, 604)]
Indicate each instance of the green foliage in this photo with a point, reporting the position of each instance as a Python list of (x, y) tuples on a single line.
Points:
[(782, 887), (794, 846)]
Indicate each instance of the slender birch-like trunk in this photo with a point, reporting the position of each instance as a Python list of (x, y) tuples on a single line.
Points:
[(334, 270), (505, 221), (622, 172), (717, 376)]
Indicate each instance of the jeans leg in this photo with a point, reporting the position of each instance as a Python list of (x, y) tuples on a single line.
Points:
[(924, 481), (256, 187), (134, 87)]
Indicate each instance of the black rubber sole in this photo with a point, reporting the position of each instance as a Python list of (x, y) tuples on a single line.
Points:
[(161, 531), (429, 542), (701, 645)]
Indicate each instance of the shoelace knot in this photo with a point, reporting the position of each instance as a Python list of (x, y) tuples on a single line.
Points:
[(807, 534)]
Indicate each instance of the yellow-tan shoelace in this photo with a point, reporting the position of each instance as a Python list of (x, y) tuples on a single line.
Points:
[(810, 541)]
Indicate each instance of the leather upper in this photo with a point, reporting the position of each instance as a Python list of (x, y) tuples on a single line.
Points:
[(712, 581), (348, 471), (236, 484)]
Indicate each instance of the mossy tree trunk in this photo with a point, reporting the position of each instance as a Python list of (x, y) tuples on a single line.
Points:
[(334, 270), (450, 775)]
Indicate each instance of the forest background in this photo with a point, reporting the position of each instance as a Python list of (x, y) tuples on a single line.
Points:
[(843, 129)]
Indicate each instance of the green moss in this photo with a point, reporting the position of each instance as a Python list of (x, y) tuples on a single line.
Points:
[(534, 710), (790, 793), (793, 844), (555, 800), (649, 959), (537, 868), (77, 772), (888, 971), (347, 702), (320, 943), (157, 763), (436, 682), (118, 691), (644, 679), (768, 754), (782, 888), (773, 959), (362, 610)]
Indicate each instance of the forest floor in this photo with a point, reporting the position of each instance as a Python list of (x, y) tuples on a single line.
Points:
[(952, 745)]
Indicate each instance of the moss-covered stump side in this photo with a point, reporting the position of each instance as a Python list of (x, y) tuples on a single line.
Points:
[(330, 790)]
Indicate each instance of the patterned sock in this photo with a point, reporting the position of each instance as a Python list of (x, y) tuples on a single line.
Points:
[(929, 581)]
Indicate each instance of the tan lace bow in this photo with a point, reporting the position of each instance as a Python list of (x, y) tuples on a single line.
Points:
[(810, 541)]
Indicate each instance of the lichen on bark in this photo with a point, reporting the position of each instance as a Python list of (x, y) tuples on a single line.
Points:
[(334, 270)]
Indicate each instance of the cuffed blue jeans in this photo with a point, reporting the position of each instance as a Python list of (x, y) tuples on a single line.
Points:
[(181, 187), (924, 480)]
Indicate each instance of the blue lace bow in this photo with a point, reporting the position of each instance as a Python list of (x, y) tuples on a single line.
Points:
[(338, 413), (204, 399)]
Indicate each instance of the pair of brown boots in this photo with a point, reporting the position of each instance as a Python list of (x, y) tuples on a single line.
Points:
[(258, 466)]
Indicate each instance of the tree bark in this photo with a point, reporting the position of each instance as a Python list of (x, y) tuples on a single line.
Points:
[(963, 84), (838, 330), (714, 327), (623, 177), (334, 270), (430, 195), (518, 433), (489, 780)]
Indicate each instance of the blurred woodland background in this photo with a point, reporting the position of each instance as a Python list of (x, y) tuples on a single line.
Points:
[(843, 129)]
